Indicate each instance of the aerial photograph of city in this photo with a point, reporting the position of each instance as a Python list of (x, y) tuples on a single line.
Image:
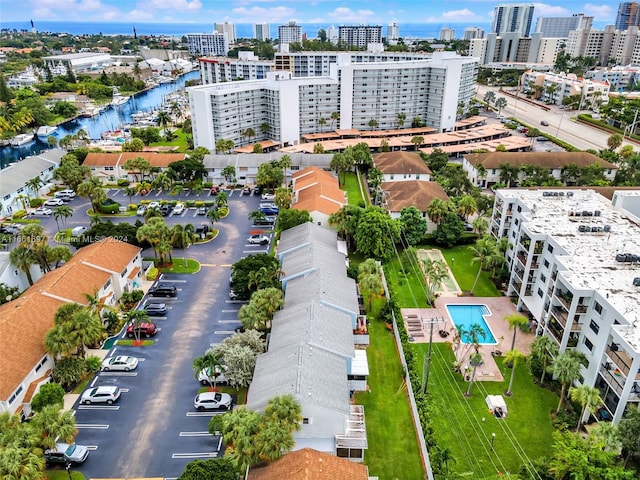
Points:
[(342, 240)]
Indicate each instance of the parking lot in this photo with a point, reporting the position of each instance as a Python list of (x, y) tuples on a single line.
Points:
[(153, 429)]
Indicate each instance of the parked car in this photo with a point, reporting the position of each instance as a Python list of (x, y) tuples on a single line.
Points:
[(206, 378), (103, 394), (544, 123), (232, 295), (10, 229), (201, 211), (214, 190), (145, 329), (78, 231), (64, 453), (163, 290), (154, 205), (42, 211), (542, 139), (141, 210), (212, 401), (258, 239), (268, 220), (246, 190), (54, 202), (65, 193), (269, 209), (156, 309), (64, 198), (120, 363), (202, 229), (179, 208), (165, 209), (268, 196)]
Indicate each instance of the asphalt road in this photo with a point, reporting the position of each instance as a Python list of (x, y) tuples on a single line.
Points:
[(153, 430), (560, 123)]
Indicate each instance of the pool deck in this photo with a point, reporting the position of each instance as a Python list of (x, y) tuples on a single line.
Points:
[(500, 307)]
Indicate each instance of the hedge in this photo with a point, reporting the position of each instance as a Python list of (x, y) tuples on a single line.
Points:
[(152, 274)]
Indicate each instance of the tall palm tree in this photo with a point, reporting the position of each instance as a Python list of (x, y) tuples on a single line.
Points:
[(211, 362), (370, 284), (162, 182), (322, 122), (163, 119), (284, 163), (515, 321), (53, 425), (402, 116), (489, 97), (373, 123), (213, 215), (282, 197), (438, 209), (500, 104), (335, 116), (35, 184), (466, 206), (62, 212), (484, 249), (512, 358), (265, 128), (435, 273), (249, 133), (176, 110), (268, 301), (136, 318), (475, 361), (566, 367), (417, 140), (545, 350), (588, 397), (22, 258), (92, 188), (85, 330)]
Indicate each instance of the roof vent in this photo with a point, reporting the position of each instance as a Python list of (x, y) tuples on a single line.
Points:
[(636, 282)]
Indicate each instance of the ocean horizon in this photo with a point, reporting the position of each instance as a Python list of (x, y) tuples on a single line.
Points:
[(243, 30)]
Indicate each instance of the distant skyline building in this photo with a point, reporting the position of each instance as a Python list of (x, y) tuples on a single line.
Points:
[(208, 44), (512, 18), (289, 33), (228, 29), (360, 35), (393, 32), (473, 32), (628, 15), (559, 27), (261, 31), (447, 34)]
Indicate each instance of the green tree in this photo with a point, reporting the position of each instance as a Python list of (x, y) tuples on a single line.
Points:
[(627, 434), (402, 116), (52, 424), (322, 122), (489, 97), (417, 140), (35, 184), (241, 272), (483, 250), (211, 361), (475, 361), (566, 368), (466, 206), (414, 226), (335, 116), (23, 259), (70, 172), (62, 212), (282, 197), (290, 217), (269, 175), (345, 221), (376, 233), (48, 394), (20, 455), (435, 272), (373, 124), (544, 349), (284, 163), (501, 103), (588, 397), (229, 173), (136, 318), (341, 163), (138, 167), (516, 321), (512, 358), (614, 141), (69, 370), (212, 469), (249, 133), (154, 231), (92, 188), (239, 352), (438, 209)]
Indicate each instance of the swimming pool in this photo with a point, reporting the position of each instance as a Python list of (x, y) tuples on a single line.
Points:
[(463, 316)]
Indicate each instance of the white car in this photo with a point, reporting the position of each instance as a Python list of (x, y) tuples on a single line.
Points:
[(212, 401), (154, 205), (78, 231), (121, 362), (42, 211), (141, 210), (65, 193), (205, 377), (104, 394), (268, 196), (53, 202), (258, 239), (179, 208)]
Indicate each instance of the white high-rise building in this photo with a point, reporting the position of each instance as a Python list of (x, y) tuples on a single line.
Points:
[(393, 32), (512, 18), (473, 32), (559, 27), (290, 33), (447, 34), (360, 35), (429, 89), (207, 44), (228, 29), (261, 31), (332, 34)]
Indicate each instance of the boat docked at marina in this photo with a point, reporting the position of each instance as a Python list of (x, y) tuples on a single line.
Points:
[(22, 139), (46, 131)]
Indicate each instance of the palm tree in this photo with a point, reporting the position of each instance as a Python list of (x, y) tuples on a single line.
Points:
[(256, 215), (268, 301), (265, 128), (500, 104), (136, 318), (130, 192), (370, 284), (588, 398), (417, 140), (163, 119), (322, 122), (212, 363), (85, 329), (153, 232), (213, 215), (335, 116), (53, 425), (482, 251), (545, 350), (35, 184), (402, 116), (282, 197), (489, 97), (92, 188), (62, 212), (222, 200), (435, 273), (286, 411), (475, 361), (249, 133), (467, 206), (162, 182), (438, 209), (284, 163), (515, 321), (566, 367), (176, 110), (373, 123), (480, 225), (511, 358), (23, 258)]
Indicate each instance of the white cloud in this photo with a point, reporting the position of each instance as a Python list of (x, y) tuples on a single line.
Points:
[(453, 16), (140, 15), (544, 10), (262, 14), (177, 5), (600, 12), (345, 15), (74, 10)]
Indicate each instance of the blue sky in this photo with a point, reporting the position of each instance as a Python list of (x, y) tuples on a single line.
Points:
[(278, 11)]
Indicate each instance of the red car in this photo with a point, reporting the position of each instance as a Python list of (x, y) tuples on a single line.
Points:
[(214, 190), (145, 329)]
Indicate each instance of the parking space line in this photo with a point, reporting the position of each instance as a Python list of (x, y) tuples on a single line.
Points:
[(119, 374), (228, 321), (98, 407), (195, 434), (205, 414), (92, 447), (98, 426), (169, 280), (223, 332), (195, 455), (230, 311)]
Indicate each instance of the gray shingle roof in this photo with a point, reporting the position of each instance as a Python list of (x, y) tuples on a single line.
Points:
[(333, 288), (312, 256), (312, 375), (304, 234), (314, 324), (17, 174)]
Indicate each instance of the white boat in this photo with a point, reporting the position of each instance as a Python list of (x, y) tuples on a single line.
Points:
[(21, 139), (46, 131), (119, 99)]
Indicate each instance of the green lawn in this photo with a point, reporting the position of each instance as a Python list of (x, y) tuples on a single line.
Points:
[(408, 287), (393, 448), (459, 425), (63, 475), (352, 187), (130, 342), (178, 266), (179, 142), (460, 262)]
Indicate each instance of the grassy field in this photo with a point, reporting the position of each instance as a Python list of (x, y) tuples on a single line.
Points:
[(179, 143), (62, 474), (352, 187), (465, 426), (393, 448), (409, 287), (460, 262)]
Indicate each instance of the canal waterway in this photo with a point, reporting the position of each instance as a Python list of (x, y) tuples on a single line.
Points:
[(110, 119)]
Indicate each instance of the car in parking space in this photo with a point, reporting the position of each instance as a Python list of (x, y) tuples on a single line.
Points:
[(201, 211), (542, 139), (202, 229), (154, 205), (64, 453), (214, 190), (65, 193), (42, 211), (122, 363), (155, 309), (212, 401), (266, 220), (232, 295), (268, 196), (179, 208), (544, 123), (54, 202), (163, 290), (246, 191), (258, 239), (141, 210), (269, 209), (145, 329), (206, 378), (165, 209), (10, 229), (78, 231), (102, 394)]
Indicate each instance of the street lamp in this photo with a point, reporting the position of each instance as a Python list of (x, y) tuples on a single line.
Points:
[(493, 439)]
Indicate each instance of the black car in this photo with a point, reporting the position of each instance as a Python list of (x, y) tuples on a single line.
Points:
[(202, 229), (156, 309), (269, 220), (165, 210), (163, 290), (65, 453)]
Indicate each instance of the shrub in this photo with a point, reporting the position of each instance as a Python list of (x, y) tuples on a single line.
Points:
[(19, 214), (209, 234), (48, 394), (132, 206), (145, 202), (209, 203), (207, 184), (69, 371), (109, 206), (152, 274), (93, 363), (123, 182), (199, 203), (35, 202), (191, 203)]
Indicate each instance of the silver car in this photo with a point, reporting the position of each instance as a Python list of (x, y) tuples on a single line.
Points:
[(212, 401), (122, 363), (104, 394)]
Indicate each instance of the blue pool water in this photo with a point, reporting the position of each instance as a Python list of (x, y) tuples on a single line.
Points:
[(463, 316)]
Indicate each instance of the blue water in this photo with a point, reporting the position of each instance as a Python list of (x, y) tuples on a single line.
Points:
[(463, 316), (111, 119)]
